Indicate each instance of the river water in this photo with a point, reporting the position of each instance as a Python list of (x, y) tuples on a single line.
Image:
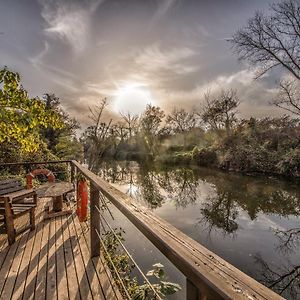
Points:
[(251, 222)]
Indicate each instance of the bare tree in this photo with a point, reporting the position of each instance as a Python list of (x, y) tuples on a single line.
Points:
[(274, 41), (288, 97), (271, 41), (96, 115), (96, 136), (181, 121), (131, 123), (219, 111)]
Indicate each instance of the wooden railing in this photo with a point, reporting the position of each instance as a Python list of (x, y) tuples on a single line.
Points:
[(207, 275)]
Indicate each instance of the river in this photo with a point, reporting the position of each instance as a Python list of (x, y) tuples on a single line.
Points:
[(251, 222)]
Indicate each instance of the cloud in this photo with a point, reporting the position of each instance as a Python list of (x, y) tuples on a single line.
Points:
[(255, 96), (69, 21), (162, 9), (57, 75), (153, 59)]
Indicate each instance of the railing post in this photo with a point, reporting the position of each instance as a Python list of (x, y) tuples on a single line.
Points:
[(94, 220), (72, 172), (192, 292)]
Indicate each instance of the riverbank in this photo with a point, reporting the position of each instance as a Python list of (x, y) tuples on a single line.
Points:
[(232, 160), (267, 165)]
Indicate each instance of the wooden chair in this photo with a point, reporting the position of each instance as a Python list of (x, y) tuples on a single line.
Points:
[(13, 206)]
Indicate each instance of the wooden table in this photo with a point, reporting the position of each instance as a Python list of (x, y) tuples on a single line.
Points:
[(55, 190)]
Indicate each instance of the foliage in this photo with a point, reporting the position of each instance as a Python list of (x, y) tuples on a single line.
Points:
[(150, 126), (266, 145), (68, 148), (216, 139), (118, 261), (162, 288), (22, 116), (61, 141), (205, 156)]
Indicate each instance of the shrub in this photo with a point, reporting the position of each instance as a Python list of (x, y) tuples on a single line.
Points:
[(204, 157)]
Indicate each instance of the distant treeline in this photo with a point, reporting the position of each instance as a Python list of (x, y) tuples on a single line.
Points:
[(214, 137)]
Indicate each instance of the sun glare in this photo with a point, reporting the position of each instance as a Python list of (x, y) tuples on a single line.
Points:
[(132, 98)]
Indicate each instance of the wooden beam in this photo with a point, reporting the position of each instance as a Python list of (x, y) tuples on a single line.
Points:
[(94, 220), (28, 163), (50, 215), (9, 221), (72, 172)]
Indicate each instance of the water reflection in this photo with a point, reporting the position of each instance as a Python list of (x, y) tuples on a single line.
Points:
[(261, 214)]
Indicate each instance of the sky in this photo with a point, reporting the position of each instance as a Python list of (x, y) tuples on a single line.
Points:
[(165, 52)]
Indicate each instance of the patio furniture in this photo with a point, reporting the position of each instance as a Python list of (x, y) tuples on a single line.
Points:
[(13, 206), (56, 190)]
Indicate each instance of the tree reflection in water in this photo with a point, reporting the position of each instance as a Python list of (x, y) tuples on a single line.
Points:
[(283, 277), (221, 198), (220, 212)]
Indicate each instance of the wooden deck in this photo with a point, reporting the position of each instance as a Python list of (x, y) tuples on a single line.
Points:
[(53, 262)]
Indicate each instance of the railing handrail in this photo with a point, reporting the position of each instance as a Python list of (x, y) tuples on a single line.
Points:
[(203, 268), (26, 163)]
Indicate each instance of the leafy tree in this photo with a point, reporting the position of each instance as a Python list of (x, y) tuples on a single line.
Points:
[(69, 148), (151, 120), (269, 145), (53, 135), (150, 127), (22, 117)]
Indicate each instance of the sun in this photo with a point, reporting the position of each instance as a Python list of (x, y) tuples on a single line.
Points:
[(132, 98)]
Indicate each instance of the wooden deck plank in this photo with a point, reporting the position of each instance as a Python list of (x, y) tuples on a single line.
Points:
[(53, 262), (61, 275), (29, 290), (95, 285), (23, 270), (51, 292), (43, 264), (3, 254), (69, 260), (84, 288), (7, 263), (109, 287), (13, 272), (24, 265)]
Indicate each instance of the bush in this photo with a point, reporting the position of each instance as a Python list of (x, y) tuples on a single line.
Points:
[(204, 157), (176, 158), (290, 163)]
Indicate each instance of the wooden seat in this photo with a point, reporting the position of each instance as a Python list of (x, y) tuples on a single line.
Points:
[(13, 205)]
